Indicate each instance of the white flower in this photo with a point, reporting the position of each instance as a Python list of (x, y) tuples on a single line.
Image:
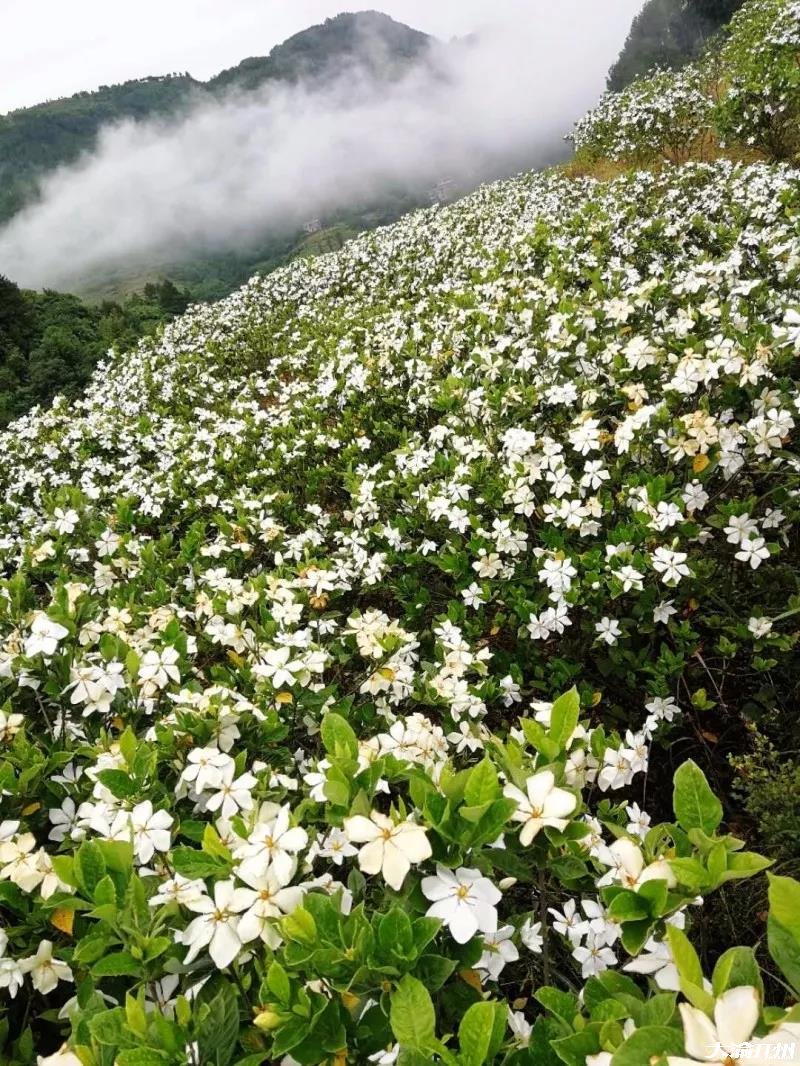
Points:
[(753, 551), (10, 725), (277, 844), (760, 627), (608, 629), (232, 796), (628, 866), (45, 971), (663, 612), (521, 1029), (594, 957), (336, 847), (149, 830), (544, 805), (569, 923), (385, 1057), (217, 926), (498, 949), (158, 668), (671, 565), (736, 1014), (268, 900), (278, 667), (11, 976), (530, 934), (389, 848), (656, 961), (464, 900), (45, 636)]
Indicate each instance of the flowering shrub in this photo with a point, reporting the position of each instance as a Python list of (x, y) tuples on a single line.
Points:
[(762, 103), (667, 113), (343, 628), (745, 94)]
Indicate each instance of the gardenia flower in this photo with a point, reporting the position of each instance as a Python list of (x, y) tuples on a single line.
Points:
[(608, 629), (736, 1014), (44, 636), (275, 844), (217, 924), (760, 627), (148, 829), (498, 949), (268, 900), (629, 867), (544, 805), (464, 900), (389, 848), (45, 971), (656, 961), (530, 934)]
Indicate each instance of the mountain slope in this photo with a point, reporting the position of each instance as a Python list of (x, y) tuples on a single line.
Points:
[(373, 643), (36, 140), (669, 34)]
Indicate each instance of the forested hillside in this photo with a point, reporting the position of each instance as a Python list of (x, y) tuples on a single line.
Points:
[(399, 659), (36, 140), (51, 342), (669, 34)]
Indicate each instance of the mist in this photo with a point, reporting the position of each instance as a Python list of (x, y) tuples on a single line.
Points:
[(230, 172)]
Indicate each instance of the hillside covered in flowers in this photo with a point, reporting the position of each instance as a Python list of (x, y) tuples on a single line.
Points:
[(397, 656)]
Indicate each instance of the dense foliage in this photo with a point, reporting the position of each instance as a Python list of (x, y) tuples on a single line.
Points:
[(669, 34), (744, 97), (355, 631), (51, 342)]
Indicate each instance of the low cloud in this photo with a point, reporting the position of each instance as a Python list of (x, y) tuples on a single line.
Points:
[(230, 172)]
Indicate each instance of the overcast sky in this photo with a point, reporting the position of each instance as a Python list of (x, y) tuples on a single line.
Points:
[(52, 48)]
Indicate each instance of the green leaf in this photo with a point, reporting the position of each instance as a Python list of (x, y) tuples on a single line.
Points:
[(433, 971), (645, 1046), (784, 903), (118, 964), (784, 948), (564, 717), (627, 906), (477, 1033), (192, 863), (394, 933), (300, 926), (90, 867), (574, 1049), (218, 1033), (338, 737), (278, 982), (690, 972), (141, 1056), (736, 967), (483, 785), (538, 738), (695, 805), (108, 1027), (105, 893), (118, 783), (411, 1015)]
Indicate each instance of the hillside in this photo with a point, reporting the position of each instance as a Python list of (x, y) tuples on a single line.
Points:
[(669, 34), (400, 656), (36, 140)]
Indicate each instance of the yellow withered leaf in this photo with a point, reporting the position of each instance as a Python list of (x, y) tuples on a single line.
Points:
[(63, 920), (284, 697), (31, 808), (699, 463), (471, 978)]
